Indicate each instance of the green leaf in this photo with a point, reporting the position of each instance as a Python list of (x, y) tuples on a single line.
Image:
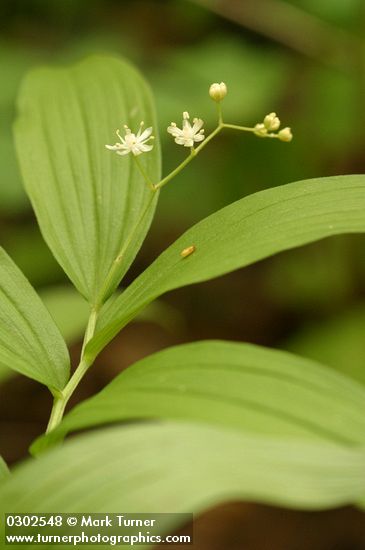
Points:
[(30, 342), (4, 471), (235, 385), (70, 312), (87, 199), (181, 467), (244, 232)]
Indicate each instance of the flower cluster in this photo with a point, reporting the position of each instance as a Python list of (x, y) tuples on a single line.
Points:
[(271, 124), (189, 134)]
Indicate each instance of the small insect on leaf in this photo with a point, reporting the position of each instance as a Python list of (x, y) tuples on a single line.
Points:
[(187, 251)]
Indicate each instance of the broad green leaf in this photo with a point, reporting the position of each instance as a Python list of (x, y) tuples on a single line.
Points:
[(236, 385), (181, 467), (244, 232), (70, 312), (87, 199), (30, 342), (4, 471)]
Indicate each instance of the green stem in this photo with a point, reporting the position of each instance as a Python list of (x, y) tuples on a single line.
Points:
[(220, 115), (178, 169), (144, 173), (61, 398), (236, 127), (58, 409), (90, 329)]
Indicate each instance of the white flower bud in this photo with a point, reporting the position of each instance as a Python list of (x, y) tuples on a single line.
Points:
[(218, 91), (285, 134), (272, 122), (260, 130)]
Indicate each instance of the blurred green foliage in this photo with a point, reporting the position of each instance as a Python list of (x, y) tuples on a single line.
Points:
[(338, 343), (182, 47), (337, 12)]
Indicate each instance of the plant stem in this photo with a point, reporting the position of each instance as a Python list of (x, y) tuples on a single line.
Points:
[(144, 173), (219, 111), (90, 329), (237, 127), (61, 399), (58, 409)]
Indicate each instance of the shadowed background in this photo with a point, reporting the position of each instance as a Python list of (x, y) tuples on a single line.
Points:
[(303, 59)]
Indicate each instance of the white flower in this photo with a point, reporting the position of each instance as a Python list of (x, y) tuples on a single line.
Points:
[(188, 134), (132, 143)]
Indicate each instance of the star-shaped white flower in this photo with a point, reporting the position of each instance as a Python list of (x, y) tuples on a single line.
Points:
[(132, 143), (188, 134)]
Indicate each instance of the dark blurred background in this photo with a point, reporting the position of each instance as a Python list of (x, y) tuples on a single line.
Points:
[(303, 59)]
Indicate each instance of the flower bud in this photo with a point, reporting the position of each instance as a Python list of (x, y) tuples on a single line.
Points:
[(285, 135), (260, 130), (272, 122), (218, 91)]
